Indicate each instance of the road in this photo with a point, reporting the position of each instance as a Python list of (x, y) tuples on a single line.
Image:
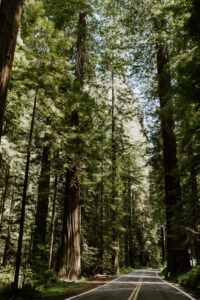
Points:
[(138, 285)]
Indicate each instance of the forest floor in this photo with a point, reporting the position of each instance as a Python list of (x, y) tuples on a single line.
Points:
[(86, 286)]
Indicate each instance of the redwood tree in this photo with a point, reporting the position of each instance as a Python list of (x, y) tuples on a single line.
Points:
[(69, 260), (10, 15), (23, 206), (177, 254), (114, 182), (39, 236)]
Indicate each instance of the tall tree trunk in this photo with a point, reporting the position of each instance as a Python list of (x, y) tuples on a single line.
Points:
[(22, 218), (10, 220), (125, 224), (101, 248), (39, 236), (52, 230), (129, 227), (2, 133), (162, 231), (132, 215), (69, 260), (31, 236), (10, 15), (114, 183), (4, 193), (195, 207), (177, 254)]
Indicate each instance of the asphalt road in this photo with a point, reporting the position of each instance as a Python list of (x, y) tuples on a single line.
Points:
[(138, 285)]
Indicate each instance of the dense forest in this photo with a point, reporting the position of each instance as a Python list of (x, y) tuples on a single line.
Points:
[(99, 139)]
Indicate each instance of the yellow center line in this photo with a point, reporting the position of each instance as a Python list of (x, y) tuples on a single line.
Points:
[(136, 290), (132, 294)]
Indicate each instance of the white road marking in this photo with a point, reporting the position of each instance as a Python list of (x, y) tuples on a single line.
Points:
[(117, 281), (106, 284), (85, 293), (136, 276), (143, 282), (176, 288), (146, 270)]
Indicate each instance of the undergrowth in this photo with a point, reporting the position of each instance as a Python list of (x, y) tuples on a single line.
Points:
[(126, 270), (40, 285), (190, 279)]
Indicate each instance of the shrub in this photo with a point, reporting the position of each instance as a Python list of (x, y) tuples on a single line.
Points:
[(190, 279)]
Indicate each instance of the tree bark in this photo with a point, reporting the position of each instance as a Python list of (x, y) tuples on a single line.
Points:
[(39, 236), (53, 222), (177, 254), (162, 231), (69, 263), (132, 216), (195, 207), (114, 183), (10, 15), (101, 248), (126, 224), (22, 218), (69, 260), (129, 227), (4, 193)]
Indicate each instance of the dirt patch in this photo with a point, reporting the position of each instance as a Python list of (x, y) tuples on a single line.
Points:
[(89, 285)]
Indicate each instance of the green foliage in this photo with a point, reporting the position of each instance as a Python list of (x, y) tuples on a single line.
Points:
[(48, 284), (59, 290), (38, 285), (126, 270), (89, 260), (190, 279)]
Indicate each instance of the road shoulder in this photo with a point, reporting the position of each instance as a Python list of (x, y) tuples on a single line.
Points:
[(87, 286), (183, 288)]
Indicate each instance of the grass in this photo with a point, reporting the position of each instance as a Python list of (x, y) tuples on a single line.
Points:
[(60, 289), (126, 270)]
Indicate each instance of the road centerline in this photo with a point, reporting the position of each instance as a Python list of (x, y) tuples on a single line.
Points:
[(133, 293), (136, 290)]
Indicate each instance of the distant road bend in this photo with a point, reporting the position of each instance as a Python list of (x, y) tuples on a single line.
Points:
[(138, 285)]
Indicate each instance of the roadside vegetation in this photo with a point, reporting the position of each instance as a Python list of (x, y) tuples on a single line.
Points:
[(190, 279), (37, 287)]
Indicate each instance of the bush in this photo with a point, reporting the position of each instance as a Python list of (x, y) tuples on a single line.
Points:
[(89, 260), (126, 270), (190, 279)]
